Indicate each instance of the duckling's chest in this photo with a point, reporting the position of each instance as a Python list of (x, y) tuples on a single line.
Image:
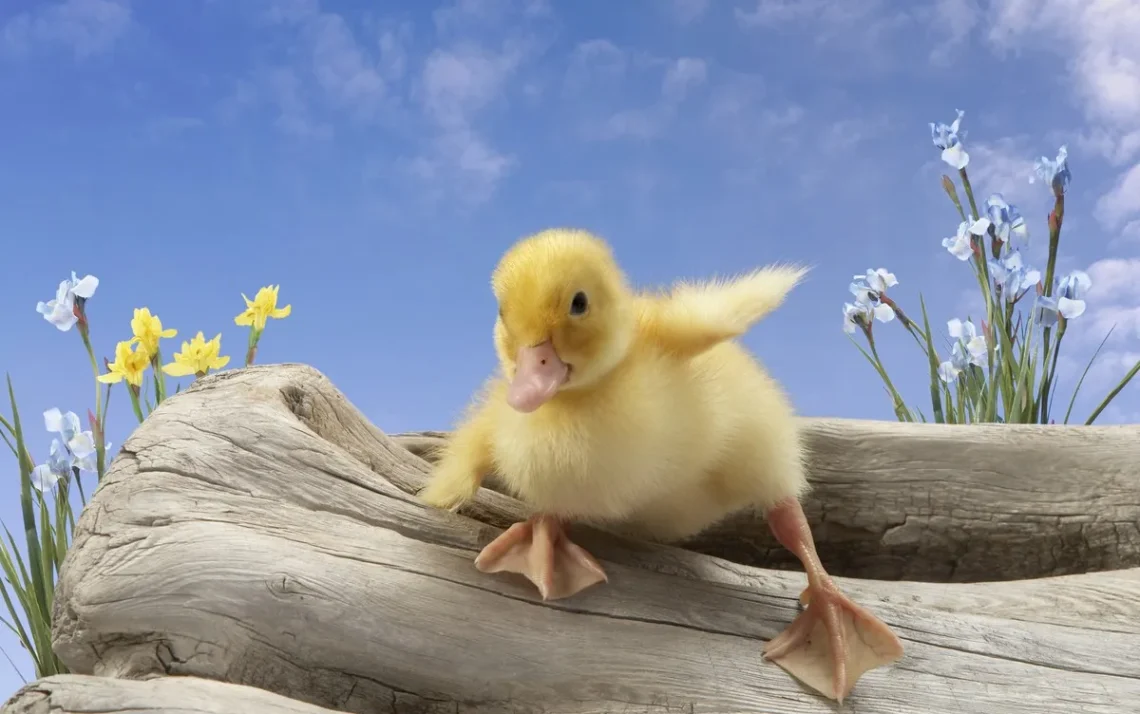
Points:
[(601, 471)]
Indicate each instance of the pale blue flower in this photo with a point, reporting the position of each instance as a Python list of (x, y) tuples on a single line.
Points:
[(1007, 220), (959, 245), (1067, 300), (61, 310), (73, 449), (969, 340), (865, 308), (949, 140), (969, 348), (1074, 286), (1012, 276), (58, 466), (79, 443), (948, 371), (878, 280), (1056, 172)]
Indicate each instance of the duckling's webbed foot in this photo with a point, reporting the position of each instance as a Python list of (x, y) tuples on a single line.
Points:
[(834, 641), (539, 549)]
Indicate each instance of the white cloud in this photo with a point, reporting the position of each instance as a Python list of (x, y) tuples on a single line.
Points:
[(295, 118), (682, 76), (956, 19), (688, 11), (1113, 302), (86, 27), (455, 85), (1115, 278), (594, 66), (1101, 44), (832, 23), (774, 12), (597, 67), (351, 76), (1098, 39), (458, 82), (1123, 201)]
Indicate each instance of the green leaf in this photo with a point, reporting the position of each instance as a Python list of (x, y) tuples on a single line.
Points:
[(1112, 395), (932, 360), (1081, 381)]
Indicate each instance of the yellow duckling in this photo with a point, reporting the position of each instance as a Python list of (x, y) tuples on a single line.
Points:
[(641, 409)]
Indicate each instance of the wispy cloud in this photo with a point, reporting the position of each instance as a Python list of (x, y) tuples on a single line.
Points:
[(830, 23), (348, 75), (954, 21), (597, 72), (1098, 41), (1114, 299), (688, 11), (86, 27), (1123, 200), (455, 85)]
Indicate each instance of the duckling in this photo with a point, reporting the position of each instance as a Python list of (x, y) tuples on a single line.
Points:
[(642, 410)]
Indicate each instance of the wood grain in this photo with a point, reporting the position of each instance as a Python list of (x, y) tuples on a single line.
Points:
[(78, 694), (258, 530), (943, 503)]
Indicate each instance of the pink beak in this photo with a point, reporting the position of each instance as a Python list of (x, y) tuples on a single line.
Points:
[(539, 372)]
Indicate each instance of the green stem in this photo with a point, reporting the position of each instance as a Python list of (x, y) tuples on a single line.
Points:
[(100, 416), (900, 406), (134, 392), (1051, 372), (159, 377), (1055, 220), (94, 369), (251, 352)]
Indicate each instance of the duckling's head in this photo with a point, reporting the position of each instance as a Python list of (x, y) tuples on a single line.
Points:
[(566, 315)]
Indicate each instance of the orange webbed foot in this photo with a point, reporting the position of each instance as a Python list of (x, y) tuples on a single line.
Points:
[(833, 642), (540, 550)]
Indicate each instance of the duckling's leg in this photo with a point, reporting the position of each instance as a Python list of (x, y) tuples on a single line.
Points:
[(834, 641), (540, 549)]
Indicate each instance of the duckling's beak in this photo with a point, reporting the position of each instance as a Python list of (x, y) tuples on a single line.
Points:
[(539, 372)]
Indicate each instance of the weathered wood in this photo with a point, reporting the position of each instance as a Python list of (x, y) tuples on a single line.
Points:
[(257, 529), (79, 694), (941, 503)]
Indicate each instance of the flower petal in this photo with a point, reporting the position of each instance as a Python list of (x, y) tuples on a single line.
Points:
[(43, 478), (884, 313), (1070, 308), (82, 445), (85, 288), (70, 423), (956, 156), (947, 371), (53, 420), (959, 247)]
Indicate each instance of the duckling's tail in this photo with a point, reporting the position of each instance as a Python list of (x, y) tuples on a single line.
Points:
[(696, 316)]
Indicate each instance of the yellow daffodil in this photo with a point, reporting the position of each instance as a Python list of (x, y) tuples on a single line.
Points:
[(130, 364), (262, 307), (148, 330), (197, 357)]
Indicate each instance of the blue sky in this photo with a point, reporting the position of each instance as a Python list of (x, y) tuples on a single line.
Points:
[(375, 159)]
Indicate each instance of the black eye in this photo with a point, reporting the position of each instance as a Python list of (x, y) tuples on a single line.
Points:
[(578, 305)]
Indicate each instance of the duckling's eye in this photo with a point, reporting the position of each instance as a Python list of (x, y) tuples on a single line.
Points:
[(579, 304)]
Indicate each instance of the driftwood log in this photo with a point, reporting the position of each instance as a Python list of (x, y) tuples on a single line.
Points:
[(81, 694), (258, 530)]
